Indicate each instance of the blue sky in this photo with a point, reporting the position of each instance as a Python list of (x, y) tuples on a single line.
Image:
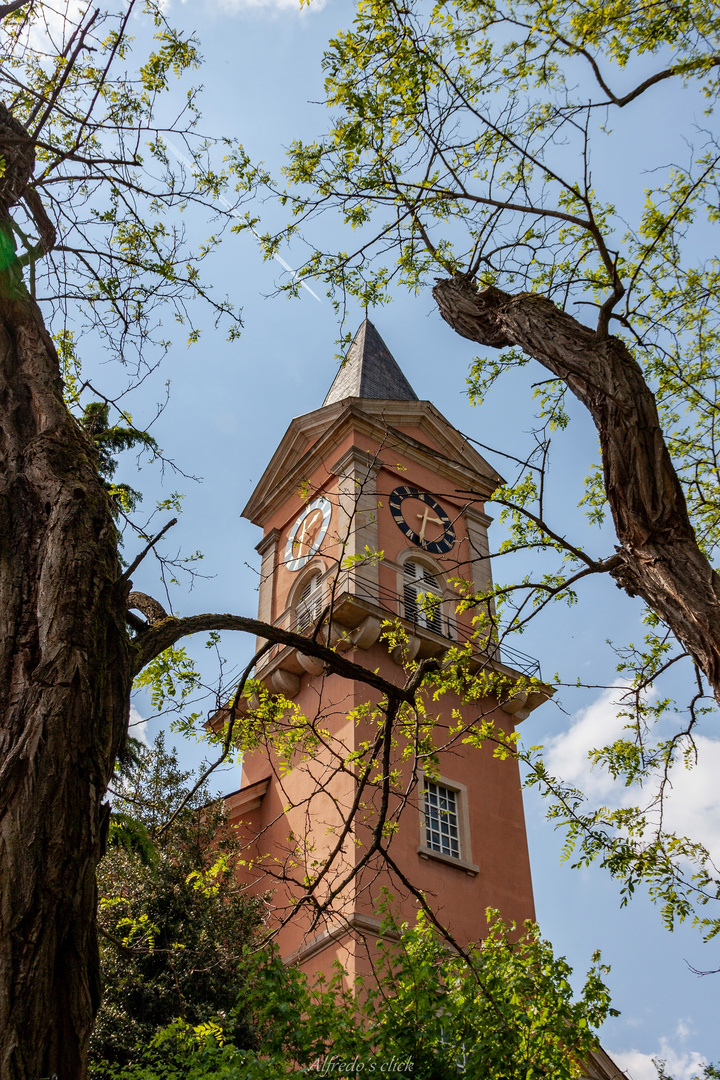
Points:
[(229, 406)]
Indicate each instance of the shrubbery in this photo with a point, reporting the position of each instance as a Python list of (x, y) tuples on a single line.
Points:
[(173, 921)]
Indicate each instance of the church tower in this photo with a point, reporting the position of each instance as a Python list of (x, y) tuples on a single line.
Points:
[(372, 509)]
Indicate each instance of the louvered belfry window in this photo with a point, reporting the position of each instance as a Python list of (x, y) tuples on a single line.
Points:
[(419, 583), (442, 827), (309, 608)]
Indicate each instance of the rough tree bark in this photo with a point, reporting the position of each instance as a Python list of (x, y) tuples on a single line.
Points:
[(65, 663), (65, 676), (660, 557)]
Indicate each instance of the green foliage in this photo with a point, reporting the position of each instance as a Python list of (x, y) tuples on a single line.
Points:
[(423, 135), (174, 923), (171, 677), (709, 1072), (505, 1013), (463, 139), (110, 440), (70, 367), (131, 755), (633, 841), (130, 834), (88, 85), (363, 558)]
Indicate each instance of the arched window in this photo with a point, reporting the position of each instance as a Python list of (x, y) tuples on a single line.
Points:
[(422, 596), (309, 606)]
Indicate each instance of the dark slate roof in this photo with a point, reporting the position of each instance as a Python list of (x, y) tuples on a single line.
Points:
[(370, 371)]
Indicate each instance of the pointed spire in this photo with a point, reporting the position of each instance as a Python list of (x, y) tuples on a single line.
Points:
[(370, 371)]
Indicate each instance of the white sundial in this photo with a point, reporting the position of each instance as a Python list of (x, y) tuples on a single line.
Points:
[(307, 533)]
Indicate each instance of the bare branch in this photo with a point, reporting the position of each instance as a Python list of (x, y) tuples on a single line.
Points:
[(659, 557), (139, 558), (227, 742), (163, 634), (7, 9)]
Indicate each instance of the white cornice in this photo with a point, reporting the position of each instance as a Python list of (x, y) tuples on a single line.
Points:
[(267, 541), (358, 460), (294, 461)]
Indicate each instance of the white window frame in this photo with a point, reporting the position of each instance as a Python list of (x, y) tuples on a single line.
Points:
[(300, 602), (464, 860), (442, 819)]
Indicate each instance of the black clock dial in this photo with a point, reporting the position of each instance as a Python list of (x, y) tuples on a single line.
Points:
[(430, 530)]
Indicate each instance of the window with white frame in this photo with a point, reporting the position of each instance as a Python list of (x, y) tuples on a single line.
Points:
[(423, 604), (442, 821), (309, 605)]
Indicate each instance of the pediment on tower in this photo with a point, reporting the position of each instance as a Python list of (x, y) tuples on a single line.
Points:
[(414, 428)]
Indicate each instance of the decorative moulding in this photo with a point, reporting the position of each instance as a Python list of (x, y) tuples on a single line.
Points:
[(295, 460), (427, 853), (311, 664), (478, 517), (514, 704), (356, 459), (247, 799), (404, 654), (367, 632), (285, 683), (267, 541), (520, 705), (355, 923)]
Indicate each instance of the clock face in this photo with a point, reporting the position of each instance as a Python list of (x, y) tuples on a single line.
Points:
[(422, 519), (307, 534)]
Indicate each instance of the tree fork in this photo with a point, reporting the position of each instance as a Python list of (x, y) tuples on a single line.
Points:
[(661, 560)]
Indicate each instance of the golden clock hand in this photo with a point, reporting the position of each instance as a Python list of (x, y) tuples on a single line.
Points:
[(425, 518), (300, 540)]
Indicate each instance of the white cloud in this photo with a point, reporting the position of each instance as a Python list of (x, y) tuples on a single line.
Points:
[(566, 755), (680, 1064), (138, 726), (692, 804)]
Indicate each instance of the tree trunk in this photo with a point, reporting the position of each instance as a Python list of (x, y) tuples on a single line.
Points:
[(64, 695), (661, 559)]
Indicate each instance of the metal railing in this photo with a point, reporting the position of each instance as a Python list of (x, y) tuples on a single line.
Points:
[(393, 604)]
